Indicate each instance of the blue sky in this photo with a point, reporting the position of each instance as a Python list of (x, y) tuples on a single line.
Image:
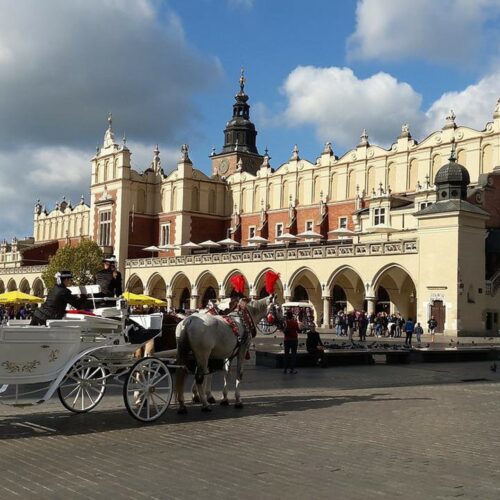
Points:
[(316, 71)]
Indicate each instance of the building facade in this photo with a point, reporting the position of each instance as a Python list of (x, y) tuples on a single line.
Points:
[(413, 228)]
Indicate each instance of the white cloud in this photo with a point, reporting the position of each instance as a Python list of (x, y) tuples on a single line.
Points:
[(448, 30), (63, 66), (339, 105), (473, 106)]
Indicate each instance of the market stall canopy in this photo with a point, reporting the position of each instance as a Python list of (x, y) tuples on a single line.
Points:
[(381, 228), (17, 297), (258, 240), (191, 245), (135, 299), (287, 238), (310, 235), (229, 242), (341, 231), (209, 244)]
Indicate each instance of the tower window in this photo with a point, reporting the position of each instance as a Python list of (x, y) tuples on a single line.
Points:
[(105, 228), (165, 234)]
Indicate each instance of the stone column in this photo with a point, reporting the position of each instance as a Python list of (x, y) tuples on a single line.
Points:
[(326, 312), (193, 302), (370, 305), (170, 302)]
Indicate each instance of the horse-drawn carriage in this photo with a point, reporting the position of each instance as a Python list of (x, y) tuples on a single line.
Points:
[(82, 354), (303, 313)]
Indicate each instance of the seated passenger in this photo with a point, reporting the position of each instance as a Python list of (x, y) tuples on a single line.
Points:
[(109, 279), (58, 298)]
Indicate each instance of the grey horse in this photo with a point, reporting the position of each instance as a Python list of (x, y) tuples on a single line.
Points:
[(209, 336)]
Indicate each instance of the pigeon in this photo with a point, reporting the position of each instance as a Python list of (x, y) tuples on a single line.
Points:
[(451, 341), (473, 343), (493, 367), (458, 342), (427, 346)]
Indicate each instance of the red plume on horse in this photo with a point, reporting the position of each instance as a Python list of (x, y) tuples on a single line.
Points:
[(238, 282), (270, 279)]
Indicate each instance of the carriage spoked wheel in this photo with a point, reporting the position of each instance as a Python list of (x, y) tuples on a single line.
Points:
[(267, 328), (148, 389), (83, 386)]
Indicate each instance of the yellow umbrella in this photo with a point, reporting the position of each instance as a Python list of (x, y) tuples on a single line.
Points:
[(17, 297), (135, 299)]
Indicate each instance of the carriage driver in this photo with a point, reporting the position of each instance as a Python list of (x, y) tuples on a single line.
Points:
[(109, 278), (58, 298)]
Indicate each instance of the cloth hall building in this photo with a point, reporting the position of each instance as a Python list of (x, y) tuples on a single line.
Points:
[(414, 228)]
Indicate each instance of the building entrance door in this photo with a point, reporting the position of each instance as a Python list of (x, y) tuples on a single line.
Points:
[(438, 310)]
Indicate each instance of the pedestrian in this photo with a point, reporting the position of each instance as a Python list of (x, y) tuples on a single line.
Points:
[(350, 325), (418, 332), (432, 325), (315, 346), (362, 325), (290, 343), (409, 328)]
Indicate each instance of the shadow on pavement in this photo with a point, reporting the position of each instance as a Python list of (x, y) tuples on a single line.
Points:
[(66, 424)]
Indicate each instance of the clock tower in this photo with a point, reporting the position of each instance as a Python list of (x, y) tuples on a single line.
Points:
[(239, 151)]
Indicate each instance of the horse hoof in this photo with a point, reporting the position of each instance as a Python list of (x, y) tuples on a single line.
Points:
[(182, 410), (211, 400), (238, 405), (196, 399), (224, 402), (206, 409)]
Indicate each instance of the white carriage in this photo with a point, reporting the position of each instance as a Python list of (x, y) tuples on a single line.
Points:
[(80, 356)]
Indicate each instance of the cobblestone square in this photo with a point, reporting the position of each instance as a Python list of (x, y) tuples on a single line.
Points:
[(413, 431)]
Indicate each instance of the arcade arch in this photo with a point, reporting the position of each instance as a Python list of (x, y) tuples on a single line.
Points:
[(208, 288), (304, 285), (346, 290), (135, 285), (180, 287), (2, 286), (24, 286), (11, 285), (260, 286), (157, 287), (228, 286), (395, 291), (38, 287)]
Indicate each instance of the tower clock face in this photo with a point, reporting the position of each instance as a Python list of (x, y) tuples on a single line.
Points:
[(223, 166)]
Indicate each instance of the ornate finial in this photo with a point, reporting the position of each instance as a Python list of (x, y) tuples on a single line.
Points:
[(236, 145), (57, 206), (82, 200), (373, 192), (185, 153), (450, 120), (419, 186), (328, 149), (389, 190), (453, 155), (38, 207), (242, 80), (405, 131), (110, 120), (156, 151), (496, 113), (239, 165), (363, 138), (213, 151), (427, 181), (97, 149), (266, 152), (124, 140), (109, 136), (295, 153), (357, 189), (380, 189)]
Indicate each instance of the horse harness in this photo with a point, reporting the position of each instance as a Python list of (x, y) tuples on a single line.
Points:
[(248, 328)]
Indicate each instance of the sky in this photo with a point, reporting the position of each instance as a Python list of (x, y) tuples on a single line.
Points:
[(168, 70)]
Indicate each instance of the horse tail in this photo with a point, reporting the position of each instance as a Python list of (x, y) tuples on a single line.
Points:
[(183, 344)]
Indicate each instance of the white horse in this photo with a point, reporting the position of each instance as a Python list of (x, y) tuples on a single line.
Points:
[(209, 336)]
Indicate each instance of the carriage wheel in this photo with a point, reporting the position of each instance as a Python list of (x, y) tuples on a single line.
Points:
[(83, 386), (266, 328), (148, 389)]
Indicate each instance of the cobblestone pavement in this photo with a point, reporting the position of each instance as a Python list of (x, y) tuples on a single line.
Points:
[(411, 431)]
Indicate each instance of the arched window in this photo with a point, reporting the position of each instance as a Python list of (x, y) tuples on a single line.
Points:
[(195, 200), (462, 157), (436, 165), (370, 180), (391, 176), (286, 195), (173, 199), (141, 201), (351, 188), (412, 175), (316, 189), (211, 202), (333, 187), (487, 159), (300, 192)]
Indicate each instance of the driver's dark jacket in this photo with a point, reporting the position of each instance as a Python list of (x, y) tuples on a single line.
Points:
[(55, 305), (110, 286)]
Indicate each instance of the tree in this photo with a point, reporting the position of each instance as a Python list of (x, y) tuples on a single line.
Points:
[(83, 261)]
